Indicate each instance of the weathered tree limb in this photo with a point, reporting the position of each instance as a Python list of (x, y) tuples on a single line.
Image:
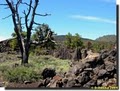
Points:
[(26, 15), (4, 4), (7, 16), (27, 4), (41, 42), (37, 23), (43, 14)]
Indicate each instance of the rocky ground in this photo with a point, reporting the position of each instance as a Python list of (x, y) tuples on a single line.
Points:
[(95, 70)]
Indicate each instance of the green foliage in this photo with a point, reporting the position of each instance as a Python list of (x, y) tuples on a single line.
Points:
[(44, 33), (24, 34), (13, 44), (68, 41), (77, 42), (21, 74), (98, 46), (38, 50), (46, 61), (3, 68), (73, 41), (89, 45)]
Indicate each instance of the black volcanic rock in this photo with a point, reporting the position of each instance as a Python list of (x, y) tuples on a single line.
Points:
[(94, 72), (48, 73)]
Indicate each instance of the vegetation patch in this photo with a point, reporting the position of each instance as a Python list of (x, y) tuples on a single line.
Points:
[(32, 71), (21, 74)]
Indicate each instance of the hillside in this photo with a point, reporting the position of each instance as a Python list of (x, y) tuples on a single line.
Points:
[(107, 38), (61, 38)]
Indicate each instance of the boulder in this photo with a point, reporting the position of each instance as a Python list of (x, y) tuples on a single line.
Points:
[(48, 73)]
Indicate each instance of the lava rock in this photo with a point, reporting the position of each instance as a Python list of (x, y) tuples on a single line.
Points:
[(102, 72), (84, 53), (71, 83), (90, 84), (77, 54), (113, 52), (110, 68), (46, 81), (48, 73), (99, 82)]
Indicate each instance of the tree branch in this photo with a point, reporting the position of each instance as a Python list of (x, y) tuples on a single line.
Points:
[(33, 13), (11, 7), (4, 4), (7, 16), (37, 23), (17, 4), (26, 24), (27, 4), (41, 42), (38, 43), (26, 15), (43, 14), (29, 8), (6, 8), (17, 15)]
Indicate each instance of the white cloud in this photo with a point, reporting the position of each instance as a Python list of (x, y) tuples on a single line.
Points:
[(93, 18)]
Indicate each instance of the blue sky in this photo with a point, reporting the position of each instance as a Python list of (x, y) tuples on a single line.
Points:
[(90, 18)]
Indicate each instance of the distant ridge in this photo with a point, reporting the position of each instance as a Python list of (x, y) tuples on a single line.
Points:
[(61, 38), (107, 38)]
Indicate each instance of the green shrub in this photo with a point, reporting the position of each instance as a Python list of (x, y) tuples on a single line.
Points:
[(73, 41), (21, 74), (3, 68), (39, 51), (13, 44)]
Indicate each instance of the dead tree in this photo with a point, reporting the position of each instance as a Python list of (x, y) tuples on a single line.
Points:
[(29, 16)]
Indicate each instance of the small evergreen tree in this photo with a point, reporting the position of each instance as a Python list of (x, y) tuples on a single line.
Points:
[(44, 35), (73, 41)]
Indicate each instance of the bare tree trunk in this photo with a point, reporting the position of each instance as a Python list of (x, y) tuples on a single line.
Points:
[(24, 58), (24, 51), (25, 54)]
